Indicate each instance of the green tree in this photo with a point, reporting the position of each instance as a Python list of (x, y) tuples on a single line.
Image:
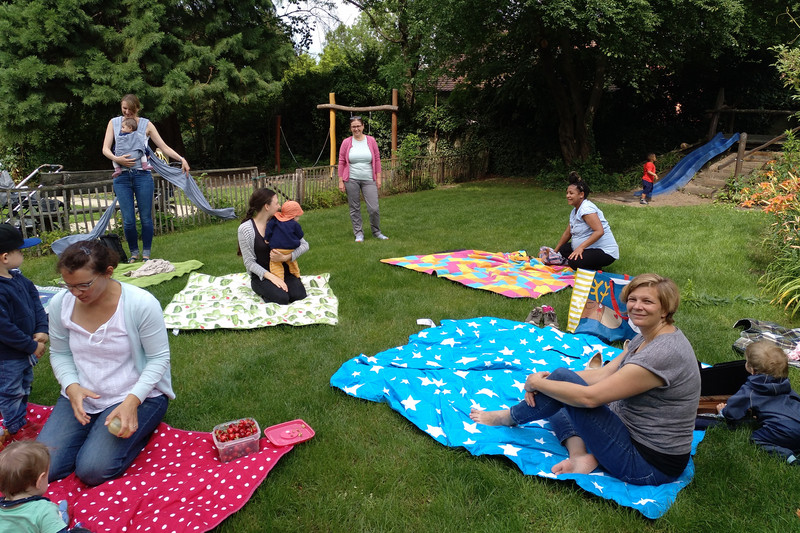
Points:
[(64, 64)]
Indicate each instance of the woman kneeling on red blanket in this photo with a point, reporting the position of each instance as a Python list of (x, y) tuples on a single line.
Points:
[(110, 354)]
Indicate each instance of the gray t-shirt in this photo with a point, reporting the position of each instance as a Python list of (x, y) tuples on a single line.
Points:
[(663, 418)]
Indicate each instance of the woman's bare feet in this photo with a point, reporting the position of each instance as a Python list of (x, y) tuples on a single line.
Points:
[(492, 418), (581, 464)]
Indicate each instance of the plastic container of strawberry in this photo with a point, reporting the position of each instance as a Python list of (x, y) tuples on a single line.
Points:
[(236, 438)]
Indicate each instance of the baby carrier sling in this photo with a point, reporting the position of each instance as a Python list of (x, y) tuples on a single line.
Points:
[(140, 133)]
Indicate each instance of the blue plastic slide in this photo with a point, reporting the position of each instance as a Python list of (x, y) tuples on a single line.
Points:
[(687, 167)]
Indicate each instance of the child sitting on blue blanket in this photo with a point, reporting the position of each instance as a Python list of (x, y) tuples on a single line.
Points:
[(126, 143), (767, 395)]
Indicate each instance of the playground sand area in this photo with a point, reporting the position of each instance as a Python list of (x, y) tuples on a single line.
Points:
[(674, 199)]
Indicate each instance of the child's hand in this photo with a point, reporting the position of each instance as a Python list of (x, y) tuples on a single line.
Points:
[(720, 407), (40, 346), (41, 337)]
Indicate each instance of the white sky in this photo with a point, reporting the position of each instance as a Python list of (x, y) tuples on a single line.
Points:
[(346, 13)]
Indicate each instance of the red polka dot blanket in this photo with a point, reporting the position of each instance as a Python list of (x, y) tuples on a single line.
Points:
[(177, 483)]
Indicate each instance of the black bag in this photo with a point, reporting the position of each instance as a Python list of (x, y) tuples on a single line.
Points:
[(112, 241), (723, 378)]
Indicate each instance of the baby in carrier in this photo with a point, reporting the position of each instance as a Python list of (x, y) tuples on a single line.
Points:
[(126, 142)]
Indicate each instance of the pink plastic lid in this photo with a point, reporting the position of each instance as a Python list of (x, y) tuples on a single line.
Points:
[(288, 433)]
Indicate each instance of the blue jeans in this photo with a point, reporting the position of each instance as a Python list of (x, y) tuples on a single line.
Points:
[(604, 434), (16, 377), (94, 454), (136, 185)]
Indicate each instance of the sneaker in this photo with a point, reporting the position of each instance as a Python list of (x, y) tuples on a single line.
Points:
[(382, 237), (535, 317), (550, 318), (643, 201), (359, 238)]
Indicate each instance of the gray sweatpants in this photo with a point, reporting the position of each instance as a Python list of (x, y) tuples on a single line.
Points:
[(369, 189)]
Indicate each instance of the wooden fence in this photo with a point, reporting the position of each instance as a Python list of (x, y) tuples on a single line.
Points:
[(70, 202)]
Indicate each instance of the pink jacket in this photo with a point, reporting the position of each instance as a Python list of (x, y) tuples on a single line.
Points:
[(344, 157)]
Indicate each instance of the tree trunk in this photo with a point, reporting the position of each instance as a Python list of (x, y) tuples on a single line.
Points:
[(170, 131), (576, 110)]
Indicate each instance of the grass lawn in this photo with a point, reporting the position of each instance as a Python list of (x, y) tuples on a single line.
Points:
[(368, 468)]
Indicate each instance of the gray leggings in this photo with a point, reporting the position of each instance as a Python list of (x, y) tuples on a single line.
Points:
[(369, 189)]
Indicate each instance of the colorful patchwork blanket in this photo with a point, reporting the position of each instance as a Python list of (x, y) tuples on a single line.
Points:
[(176, 484), (511, 274), (482, 363), (214, 302)]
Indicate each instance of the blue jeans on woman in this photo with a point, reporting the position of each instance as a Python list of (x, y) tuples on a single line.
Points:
[(16, 377), (605, 435), (94, 454), (134, 188)]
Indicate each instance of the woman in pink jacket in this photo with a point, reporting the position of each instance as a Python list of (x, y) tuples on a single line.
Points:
[(360, 173)]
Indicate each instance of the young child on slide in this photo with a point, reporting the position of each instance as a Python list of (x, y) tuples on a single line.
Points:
[(283, 234), (126, 143), (767, 395)]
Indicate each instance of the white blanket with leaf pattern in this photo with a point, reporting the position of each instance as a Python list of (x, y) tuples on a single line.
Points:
[(228, 302)]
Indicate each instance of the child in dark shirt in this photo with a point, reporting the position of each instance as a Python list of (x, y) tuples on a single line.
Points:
[(767, 395), (283, 234), (23, 334)]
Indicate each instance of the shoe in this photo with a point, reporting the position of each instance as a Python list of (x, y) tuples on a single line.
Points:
[(382, 237), (643, 201), (535, 317), (550, 318), (133, 259), (145, 259), (359, 238), (29, 431)]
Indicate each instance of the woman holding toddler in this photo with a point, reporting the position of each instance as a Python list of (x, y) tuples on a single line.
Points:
[(257, 253)]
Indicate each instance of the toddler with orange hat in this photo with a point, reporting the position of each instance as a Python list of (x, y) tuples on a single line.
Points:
[(283, 234)]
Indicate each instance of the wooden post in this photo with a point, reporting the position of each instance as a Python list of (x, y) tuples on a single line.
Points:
[(394, 124), (712, 130), (740, 154), (278, 143), (332, 101)]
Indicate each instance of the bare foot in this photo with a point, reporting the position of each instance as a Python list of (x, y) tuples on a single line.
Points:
[(492, 418), (581, 464)]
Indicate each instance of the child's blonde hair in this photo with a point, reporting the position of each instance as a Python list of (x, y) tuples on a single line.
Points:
[(21, 464), (765, 357)]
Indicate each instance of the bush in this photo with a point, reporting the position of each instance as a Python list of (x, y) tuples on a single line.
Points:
[(776, 190), (324, 199)]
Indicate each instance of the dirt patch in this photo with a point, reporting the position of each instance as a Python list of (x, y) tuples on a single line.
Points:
[(675, 199)]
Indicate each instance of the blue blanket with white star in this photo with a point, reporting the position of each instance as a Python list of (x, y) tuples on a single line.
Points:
[(482, 363)]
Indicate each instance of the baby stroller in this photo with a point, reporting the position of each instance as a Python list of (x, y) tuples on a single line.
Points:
[(24, 209)]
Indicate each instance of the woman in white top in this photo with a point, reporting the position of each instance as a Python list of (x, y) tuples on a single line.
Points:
[(587, 242), (110, 354)]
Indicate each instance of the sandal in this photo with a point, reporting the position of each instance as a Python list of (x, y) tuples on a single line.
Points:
[(145, 258), (133, 259)]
